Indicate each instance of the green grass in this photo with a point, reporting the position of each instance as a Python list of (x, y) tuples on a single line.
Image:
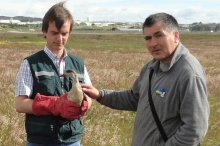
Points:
[(113, 61)]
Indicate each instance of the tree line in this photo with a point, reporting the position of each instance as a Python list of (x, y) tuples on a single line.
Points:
[(213, 27)]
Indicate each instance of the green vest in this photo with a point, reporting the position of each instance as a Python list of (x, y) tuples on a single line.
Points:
[(46, 81)]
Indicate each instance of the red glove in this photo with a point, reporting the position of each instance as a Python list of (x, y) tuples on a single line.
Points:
[(84, 105), (58, 106)]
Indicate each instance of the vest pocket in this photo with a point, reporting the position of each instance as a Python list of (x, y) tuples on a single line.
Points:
[(41, 127), (76, 127), (45, 85), (72, 128)]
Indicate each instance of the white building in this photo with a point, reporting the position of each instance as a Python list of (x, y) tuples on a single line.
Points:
[(18, 22), (101, 24), (36, 22), (11, 21), (88, 22), (88, 19), (130, 29)]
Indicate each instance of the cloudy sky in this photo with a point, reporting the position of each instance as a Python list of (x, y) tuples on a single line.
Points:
[(185, 11)]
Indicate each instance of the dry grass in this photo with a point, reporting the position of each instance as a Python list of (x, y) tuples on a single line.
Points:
[(113, 62)]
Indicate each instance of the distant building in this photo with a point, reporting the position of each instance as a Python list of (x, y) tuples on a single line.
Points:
[(88, 22), (184, 25), (18, 22), (130, 29), (101, 24), (11, 21), (88, 19), (36, 23), (23, 23)]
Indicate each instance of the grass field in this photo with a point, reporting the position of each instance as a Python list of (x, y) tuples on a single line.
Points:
[(113, 61)]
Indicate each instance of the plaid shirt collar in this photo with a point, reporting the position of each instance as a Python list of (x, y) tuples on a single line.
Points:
[(54, 56)]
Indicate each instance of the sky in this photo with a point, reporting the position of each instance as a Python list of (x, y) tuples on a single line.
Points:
[(185, 11)]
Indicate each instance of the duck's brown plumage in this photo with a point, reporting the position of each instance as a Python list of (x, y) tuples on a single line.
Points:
[(76, 93)]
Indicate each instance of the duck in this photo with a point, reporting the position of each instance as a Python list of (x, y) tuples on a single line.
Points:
[(75, 94)]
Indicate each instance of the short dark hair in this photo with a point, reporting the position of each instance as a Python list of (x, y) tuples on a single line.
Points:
[(169, 21), (59, 14)]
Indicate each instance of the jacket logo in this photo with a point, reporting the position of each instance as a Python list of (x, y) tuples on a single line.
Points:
[(160, 91)]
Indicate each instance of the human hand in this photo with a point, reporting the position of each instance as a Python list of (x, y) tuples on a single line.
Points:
[(91, 91)]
